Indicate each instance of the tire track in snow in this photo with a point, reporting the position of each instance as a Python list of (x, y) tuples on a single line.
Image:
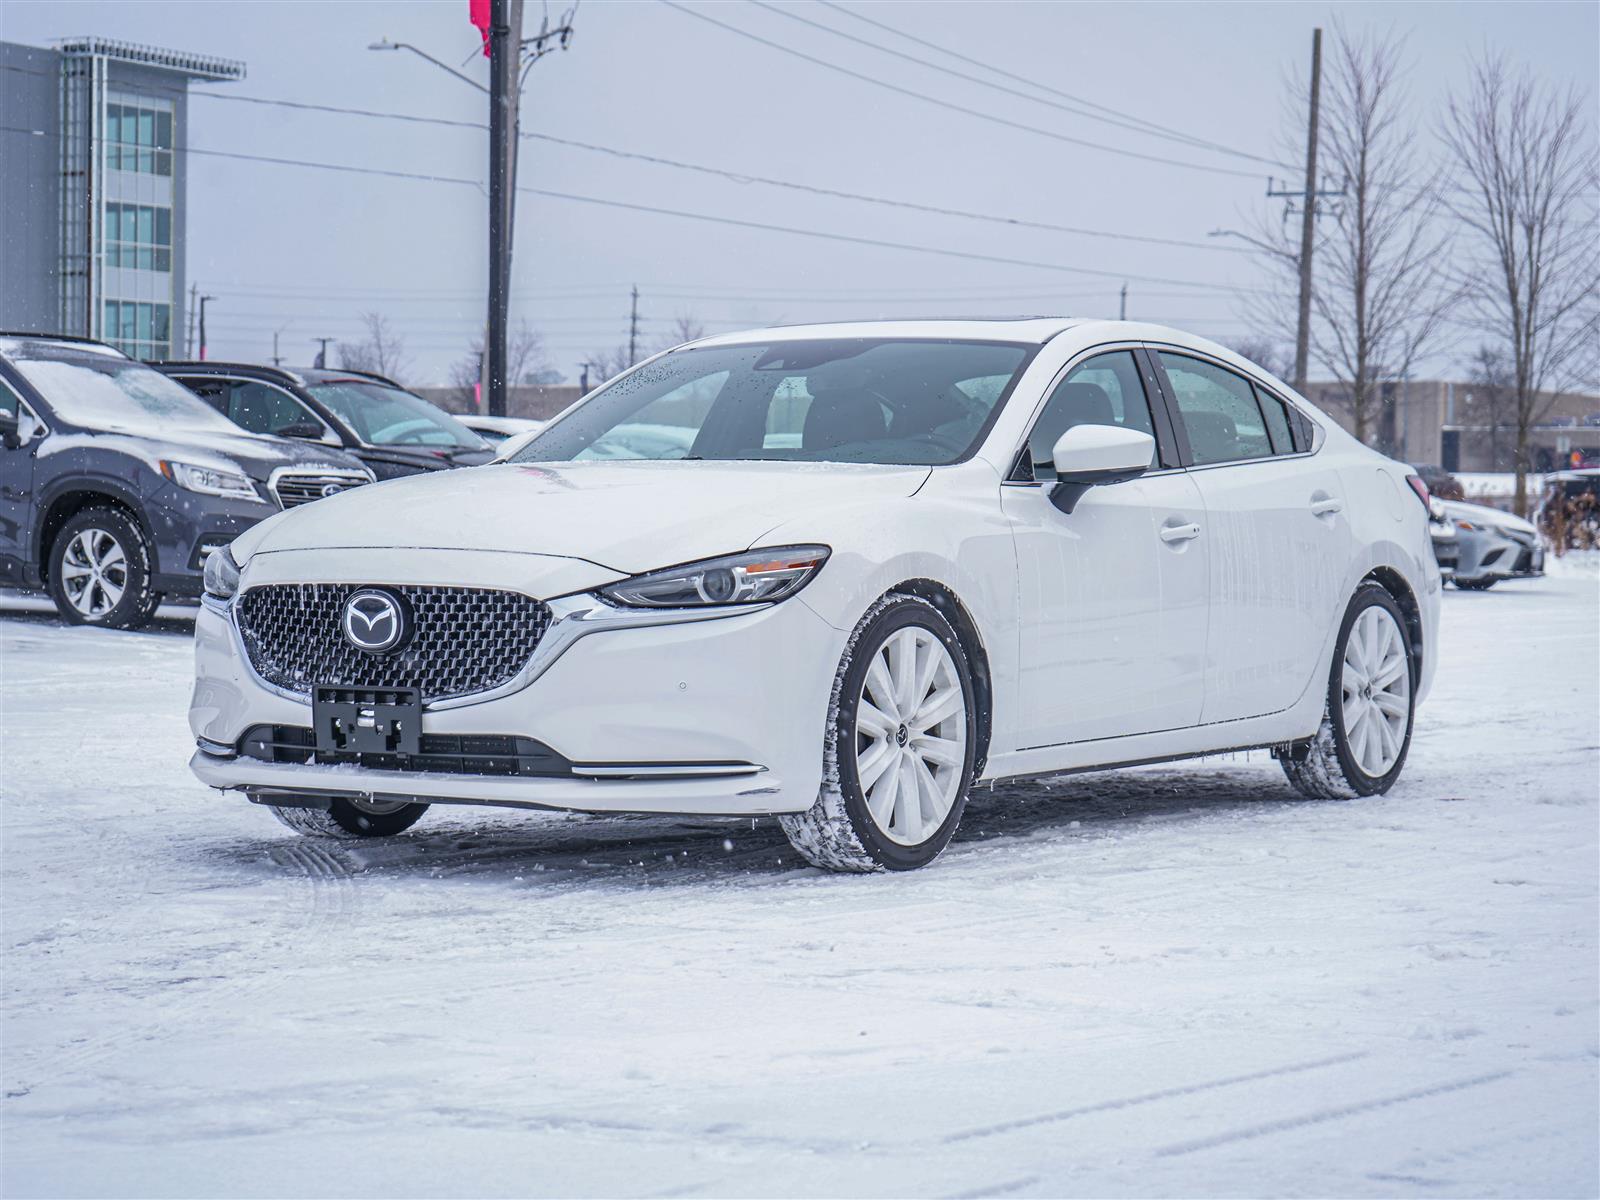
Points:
[(1320, 1116), (329, 900), (1188, 1089)]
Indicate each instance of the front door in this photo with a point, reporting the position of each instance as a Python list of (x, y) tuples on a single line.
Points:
[(16, 487), (1113, 594)]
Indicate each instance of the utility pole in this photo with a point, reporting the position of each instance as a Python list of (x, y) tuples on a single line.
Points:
[(322, 352), (633, 329), (277, 359), (1122, 309), (1308, 221), (505, 55), (204, 300), (188, 338)]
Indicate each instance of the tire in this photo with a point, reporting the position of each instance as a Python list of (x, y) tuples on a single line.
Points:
[(881, 826), (1476, 585), (1359, 750), (353, 818), (100, 570)]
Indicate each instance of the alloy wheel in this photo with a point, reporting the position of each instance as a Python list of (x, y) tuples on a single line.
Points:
[(1375, 686), (911, 734), (94, 573)]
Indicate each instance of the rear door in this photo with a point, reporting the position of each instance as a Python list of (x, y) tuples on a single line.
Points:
[(1113, 594), (1277, 534)]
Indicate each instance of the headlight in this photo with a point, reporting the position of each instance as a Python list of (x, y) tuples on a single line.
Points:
[(221, 574), (756, 577), (210, 481)]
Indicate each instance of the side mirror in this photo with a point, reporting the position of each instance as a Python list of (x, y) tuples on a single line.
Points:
[(1089, 456), (10, 438), (304, 430)]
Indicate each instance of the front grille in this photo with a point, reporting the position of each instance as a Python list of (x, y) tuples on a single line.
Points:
[(464, 640), (447, 753), (293, 488)]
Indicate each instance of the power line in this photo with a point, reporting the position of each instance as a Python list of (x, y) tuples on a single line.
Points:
[(914, 206), (970, 256), (1150, 126), (951, 105), (1182, 138)]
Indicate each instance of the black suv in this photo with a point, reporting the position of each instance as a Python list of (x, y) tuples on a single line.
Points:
[(392, 431), (115, 483)]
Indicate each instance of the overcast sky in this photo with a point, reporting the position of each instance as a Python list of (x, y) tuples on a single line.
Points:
[(309, 250)]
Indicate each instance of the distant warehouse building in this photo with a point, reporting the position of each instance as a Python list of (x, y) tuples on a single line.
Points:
[(92, 189)]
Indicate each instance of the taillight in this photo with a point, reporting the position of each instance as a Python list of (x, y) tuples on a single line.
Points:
[(1421, 489)]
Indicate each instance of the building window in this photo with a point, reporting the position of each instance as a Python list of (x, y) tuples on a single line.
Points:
[(138, 139), (139, 329), (138, 236)]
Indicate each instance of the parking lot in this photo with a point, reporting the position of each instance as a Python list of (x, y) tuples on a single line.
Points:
[(1174, 980)]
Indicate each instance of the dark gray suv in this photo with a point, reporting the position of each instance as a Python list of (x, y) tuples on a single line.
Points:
[(116, 482)]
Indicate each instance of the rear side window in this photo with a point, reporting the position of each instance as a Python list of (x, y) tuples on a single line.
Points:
[(1103, 390), (1277, 418), (1218, 410)]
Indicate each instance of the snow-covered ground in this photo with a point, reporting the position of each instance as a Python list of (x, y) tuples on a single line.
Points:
[(1175, 981)]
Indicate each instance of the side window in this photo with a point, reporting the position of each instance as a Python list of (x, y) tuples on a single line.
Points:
[(1218, 410), (262, 408), (10, 404), (1303, 432), (1277, 415), (1103, 390), (213, 391)]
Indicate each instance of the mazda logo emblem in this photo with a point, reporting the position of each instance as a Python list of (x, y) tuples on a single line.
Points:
[(375, 621)]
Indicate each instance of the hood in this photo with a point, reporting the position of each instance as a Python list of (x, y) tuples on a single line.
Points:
[(626, 516), (1482, 514)]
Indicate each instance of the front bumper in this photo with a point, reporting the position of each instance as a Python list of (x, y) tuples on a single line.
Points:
[(1487, 554), (723, 716)]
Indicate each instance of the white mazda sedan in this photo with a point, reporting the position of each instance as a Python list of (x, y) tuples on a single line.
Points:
[(836, 574)]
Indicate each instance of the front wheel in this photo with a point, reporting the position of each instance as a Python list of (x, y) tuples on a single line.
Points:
[(353, 818), (1361, 746), (100, 570), (900, 746), (1477, 585)]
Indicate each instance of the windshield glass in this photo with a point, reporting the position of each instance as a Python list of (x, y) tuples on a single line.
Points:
[(386, 416), (102, 391), (861, 400)]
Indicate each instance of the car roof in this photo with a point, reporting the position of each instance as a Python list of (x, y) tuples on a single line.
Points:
[(298, 375), (1035, 330), (10, 340)]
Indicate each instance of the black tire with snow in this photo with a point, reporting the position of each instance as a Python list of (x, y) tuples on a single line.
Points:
[(86, 543), (1477, 585), (343, 819), (1325, 767), (837, 833)]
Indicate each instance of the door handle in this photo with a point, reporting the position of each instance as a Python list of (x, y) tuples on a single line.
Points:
[(1179, 533), (1326, 506)]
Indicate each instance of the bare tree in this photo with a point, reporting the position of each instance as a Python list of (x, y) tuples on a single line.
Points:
[(1492, 401), (382, 350), (1383, 289), (1526, 176), (526, 363), (684, 328), (1266, 352)]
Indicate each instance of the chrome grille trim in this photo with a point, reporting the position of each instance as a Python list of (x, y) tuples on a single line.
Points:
[(291, 487), (466, 640)]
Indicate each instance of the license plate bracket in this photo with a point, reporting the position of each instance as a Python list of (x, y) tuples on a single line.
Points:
[(349, 720)]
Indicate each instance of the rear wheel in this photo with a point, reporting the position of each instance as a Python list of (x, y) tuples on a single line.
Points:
[(100, 570), (899, 749), (353, 818), (1361, 746)]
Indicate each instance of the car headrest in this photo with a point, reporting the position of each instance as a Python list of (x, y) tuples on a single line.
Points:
[(837, 418), (1085, 404), (1212, 436)]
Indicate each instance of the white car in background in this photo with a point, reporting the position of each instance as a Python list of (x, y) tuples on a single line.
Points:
[(846, 572), (1492, 545)]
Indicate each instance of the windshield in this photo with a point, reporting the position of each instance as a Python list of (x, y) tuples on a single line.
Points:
[(860, 400), (385, 416), (102, 391)]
